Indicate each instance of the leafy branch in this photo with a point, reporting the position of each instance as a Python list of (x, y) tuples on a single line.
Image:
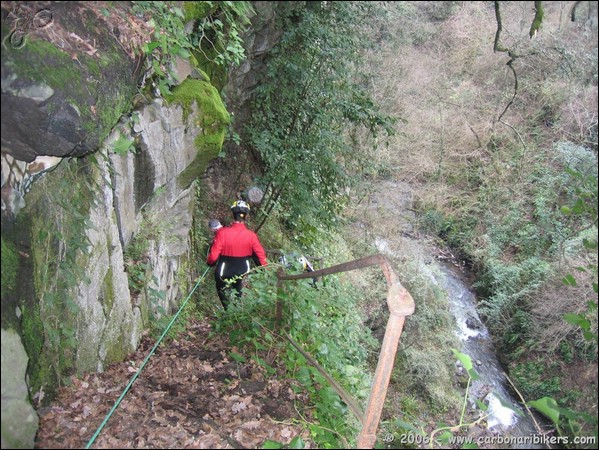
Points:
[(202, 27), (307, 99), (585, 209), (472, 376)]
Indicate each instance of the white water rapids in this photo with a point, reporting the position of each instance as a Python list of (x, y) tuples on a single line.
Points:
[(506, 416)]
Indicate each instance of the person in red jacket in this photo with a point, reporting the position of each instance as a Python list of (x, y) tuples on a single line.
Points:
[(232, 249)]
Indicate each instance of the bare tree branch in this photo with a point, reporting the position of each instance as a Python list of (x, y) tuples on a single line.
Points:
[(496, 45), (510, 65)]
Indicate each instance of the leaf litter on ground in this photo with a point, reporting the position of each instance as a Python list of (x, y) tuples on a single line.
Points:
[(190, 394)]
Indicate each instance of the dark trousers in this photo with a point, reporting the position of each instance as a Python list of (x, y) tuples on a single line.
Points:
[(228, 276), (225, 287)]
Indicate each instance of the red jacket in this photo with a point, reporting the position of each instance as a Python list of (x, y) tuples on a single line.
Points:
[(237, 241)]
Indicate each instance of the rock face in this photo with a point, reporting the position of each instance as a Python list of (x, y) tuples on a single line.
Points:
[(65, 83), (97, 197), (120, 231)]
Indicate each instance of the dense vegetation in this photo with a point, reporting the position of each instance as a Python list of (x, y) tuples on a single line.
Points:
[(501, 147), (496, 131), (488, 111), (307, 102)]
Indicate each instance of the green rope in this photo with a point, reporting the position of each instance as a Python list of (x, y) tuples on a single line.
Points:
[(91, 441)]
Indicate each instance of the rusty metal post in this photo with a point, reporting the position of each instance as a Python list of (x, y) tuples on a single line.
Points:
[(400, 304)]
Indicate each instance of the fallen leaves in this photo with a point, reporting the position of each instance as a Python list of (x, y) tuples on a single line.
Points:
[(189, 395)]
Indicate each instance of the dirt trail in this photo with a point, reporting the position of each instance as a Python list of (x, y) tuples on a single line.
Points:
[(190, 394)]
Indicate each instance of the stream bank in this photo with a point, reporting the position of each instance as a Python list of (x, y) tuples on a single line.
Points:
[(384, 222)]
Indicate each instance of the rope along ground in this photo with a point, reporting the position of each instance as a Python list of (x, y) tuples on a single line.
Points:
[(118, 402)]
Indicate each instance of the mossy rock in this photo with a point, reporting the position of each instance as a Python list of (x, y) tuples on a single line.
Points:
[(212, 117), (66, 84)]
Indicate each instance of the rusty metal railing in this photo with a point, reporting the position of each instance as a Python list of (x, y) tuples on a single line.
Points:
[(400, 305)]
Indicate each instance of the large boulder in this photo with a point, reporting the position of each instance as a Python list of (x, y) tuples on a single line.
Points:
[(19, 420), (69, 71), (67, 80)]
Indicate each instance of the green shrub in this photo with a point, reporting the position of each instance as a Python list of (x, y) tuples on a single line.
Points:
[(536, 379)]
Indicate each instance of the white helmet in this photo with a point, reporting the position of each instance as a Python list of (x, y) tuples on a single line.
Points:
[(240, 207)]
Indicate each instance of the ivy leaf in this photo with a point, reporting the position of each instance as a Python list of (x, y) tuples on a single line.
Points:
[(578, 207), (445, 436), (122, 145), (464, 359), (508, 405), (405, 425), (184, 53), (548, 407), (589, 336), (237, 357), (577, 319), (481, 405), (474, 375), (297, 442), (569, 280)]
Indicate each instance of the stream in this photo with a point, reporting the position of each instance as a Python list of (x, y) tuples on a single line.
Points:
[(517, 429), (477, 343)]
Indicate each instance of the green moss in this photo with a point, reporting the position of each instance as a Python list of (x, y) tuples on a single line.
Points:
[(144, 309), (108, 291), (198, 10), (50, 65), (98, 92), (204, 74), (118, 350), (182, 276), (40, 369), (58, 208), (10, 265), (208, 148), (216, 73), (110, 111), (212, 117), (42, 62), (207, 98)]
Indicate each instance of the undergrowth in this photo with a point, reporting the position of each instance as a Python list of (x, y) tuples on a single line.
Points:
[(324, 319)]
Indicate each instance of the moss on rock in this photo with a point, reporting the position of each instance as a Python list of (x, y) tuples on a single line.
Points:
[(56, 216), (212, 117), (198, 10), (10, 265), (88, 87)]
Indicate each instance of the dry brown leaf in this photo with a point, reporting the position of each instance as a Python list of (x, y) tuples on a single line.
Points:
[(193, 403), (239, 406), (252, 424)]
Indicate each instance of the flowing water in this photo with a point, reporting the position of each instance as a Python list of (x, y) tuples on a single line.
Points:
[(493, 385)]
